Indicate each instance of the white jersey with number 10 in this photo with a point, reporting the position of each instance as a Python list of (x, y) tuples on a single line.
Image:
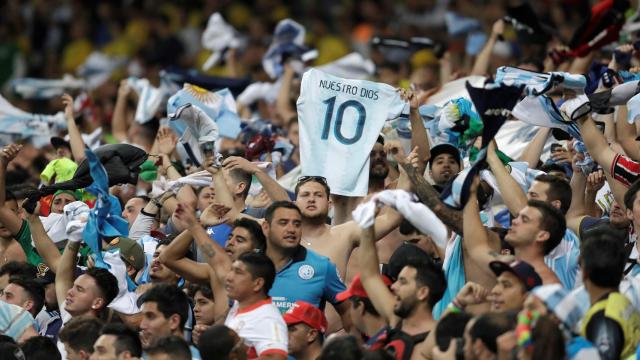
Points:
[(340, 120)]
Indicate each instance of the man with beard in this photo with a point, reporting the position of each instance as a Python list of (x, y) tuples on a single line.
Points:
[(407, 306), (378, 167), (444, 165), (335, 242)]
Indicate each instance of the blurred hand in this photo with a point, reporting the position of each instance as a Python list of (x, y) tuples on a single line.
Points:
[(561, 156), (395, 149), (9, 153), (67, 101), (498, 27), (124, 89), (237, 162), (167, 141), (185, 215), (506, 343), (471, 294), (197, 332), (215, 214), (595, 181)]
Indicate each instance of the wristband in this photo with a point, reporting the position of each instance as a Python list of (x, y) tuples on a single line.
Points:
[(147, 214)]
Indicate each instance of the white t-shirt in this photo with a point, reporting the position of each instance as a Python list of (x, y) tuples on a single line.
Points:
[(65, 316), (261, 326), (340, 121)]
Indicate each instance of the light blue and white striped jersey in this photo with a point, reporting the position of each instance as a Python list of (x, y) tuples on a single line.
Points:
[(563, 260), (340, 120)]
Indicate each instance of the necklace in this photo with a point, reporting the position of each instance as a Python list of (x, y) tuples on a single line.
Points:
[(308, 242)]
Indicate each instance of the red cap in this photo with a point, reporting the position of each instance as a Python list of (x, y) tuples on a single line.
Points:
[(303, 312), (356, 289)]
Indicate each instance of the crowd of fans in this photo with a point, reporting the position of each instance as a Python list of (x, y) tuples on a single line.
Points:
[(319, 180)]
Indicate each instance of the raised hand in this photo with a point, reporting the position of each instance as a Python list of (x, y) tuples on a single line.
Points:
[(9, 153), (471, 294), (237, 162), (595, 181), (67, 101), (185, 215), (215, 214), (166, 140)]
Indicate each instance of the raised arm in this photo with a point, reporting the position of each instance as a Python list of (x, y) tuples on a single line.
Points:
[(533, 151), (481, 65), (174, 258), (119, 122), (75, 139), (513, 196), (283, 102), (66, 269), (626, 134), (381, 297), (576, 211), (47, 249), (430, 197), (482, 246), (8, 217), (269, 184), (419, 134)]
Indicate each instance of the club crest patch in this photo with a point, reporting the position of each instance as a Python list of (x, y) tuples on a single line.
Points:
[(306, 272)]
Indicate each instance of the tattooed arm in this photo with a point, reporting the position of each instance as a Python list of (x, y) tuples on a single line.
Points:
[(430, 197)]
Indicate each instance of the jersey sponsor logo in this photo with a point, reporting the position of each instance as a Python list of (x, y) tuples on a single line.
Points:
[(306, 272)]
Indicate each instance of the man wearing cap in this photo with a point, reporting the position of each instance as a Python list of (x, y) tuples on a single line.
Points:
[(306, 325), (445, 163), (514, 282), (131, 254), (364, 315)]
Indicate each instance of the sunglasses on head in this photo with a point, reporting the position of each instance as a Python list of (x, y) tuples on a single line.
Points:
[(304, 179)]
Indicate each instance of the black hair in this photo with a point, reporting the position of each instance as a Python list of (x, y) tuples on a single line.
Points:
[(107, 283), (490, 325), (40, 348), (368, 305), (552, 221), (127, 339), (34, 290), (344, 348), (258, 239), (241, 176), (602, 258), (552, 167), (630, 195), (144, 198), (217, 342), (20, 191), (559, 189), (169, 299), (81, 332), (18, 268), (173, 346), (379, 354), (429, 274), (406, 228), (205, 290), (449, 327), (260, 266), (277, 205), (11, 351), (548, 340)]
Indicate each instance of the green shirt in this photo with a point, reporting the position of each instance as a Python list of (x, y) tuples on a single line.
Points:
[(24, 238)]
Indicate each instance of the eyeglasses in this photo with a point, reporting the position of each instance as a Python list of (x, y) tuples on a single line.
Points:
[(320, 179)]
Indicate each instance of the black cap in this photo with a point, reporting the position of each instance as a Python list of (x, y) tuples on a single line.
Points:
[(445, 148), (58, 142)]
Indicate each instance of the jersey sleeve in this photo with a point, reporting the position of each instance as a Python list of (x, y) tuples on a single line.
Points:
[(24, 239), (333, 284), (271, 338)]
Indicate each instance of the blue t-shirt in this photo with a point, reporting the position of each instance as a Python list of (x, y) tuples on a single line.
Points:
[(309, 277)]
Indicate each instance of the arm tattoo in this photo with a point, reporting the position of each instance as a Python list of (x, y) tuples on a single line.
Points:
[(430, 197), (208, 249)]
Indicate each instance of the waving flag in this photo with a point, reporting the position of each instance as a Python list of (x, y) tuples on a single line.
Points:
[(288, 42), (539, 83), (218, 37), (494, 104), (39, 128), (104, 219), (150, 98)]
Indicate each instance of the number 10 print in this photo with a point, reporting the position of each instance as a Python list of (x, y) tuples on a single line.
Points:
[(328, 116)]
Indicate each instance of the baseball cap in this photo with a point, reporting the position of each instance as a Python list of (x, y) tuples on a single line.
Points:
[(45, 275), (130, 251), (445, 148), (58, 142), (523, 270), (356, 289), (303, 312)]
